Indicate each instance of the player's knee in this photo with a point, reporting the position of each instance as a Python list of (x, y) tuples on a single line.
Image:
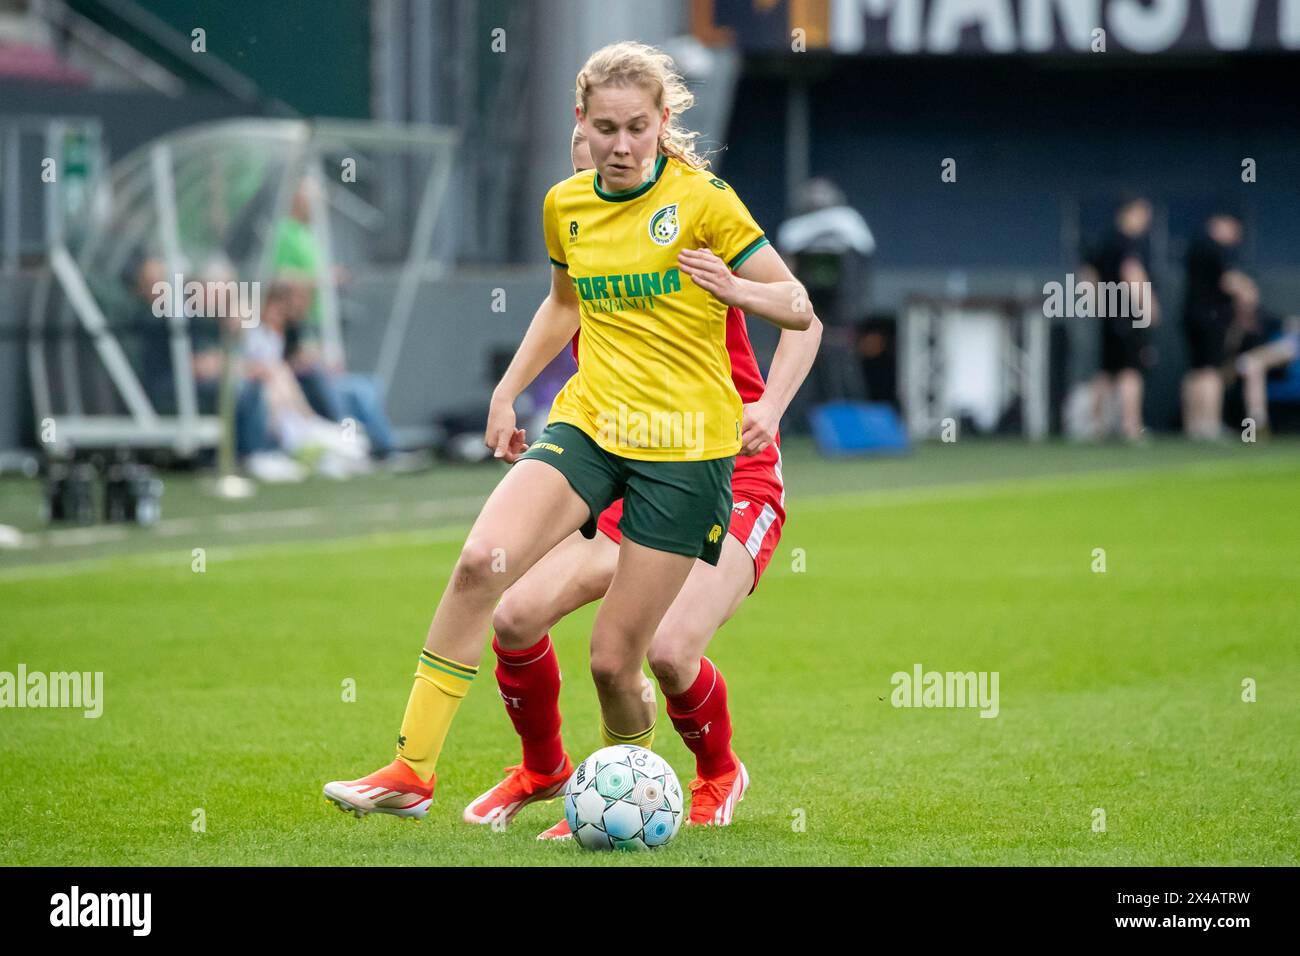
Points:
[(477, 570), (616, 673), (512, 625), (670, 661)]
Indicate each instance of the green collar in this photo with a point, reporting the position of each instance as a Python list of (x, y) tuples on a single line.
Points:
[(636, 191)]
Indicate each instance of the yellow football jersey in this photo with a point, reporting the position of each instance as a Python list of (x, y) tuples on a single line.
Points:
[(654, 378)]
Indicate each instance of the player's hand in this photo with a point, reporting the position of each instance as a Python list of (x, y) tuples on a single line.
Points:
[(758, 428), (505, 440), (711, 274)]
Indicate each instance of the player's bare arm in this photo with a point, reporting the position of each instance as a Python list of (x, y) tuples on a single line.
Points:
[(754, 287), (553, 325), (795, 353)]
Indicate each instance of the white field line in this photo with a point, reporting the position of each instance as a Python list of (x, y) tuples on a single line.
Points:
[(310, 517), (285, 518), (992, 487), (217, 555), (76, 537)]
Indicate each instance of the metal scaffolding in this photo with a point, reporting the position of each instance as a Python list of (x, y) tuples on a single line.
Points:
[(1016, 357), (218, 192)]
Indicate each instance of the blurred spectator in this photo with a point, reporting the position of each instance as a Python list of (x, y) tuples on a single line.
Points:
[(331, 391), (158, 375), (1216, 289), (332, 450), (1256, 345), (297, 255), (1126, 351), (878, 357), (829, 246)]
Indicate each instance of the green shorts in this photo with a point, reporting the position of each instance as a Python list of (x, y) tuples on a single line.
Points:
[(682, 507)]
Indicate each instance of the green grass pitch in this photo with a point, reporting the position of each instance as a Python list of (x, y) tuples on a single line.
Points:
[(1119, 691)]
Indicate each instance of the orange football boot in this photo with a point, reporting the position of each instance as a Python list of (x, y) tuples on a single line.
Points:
[(713, 800), (395, 789), (498, 805)]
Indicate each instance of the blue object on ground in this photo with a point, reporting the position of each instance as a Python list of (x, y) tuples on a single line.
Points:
[(1286, 389), (843, 429)]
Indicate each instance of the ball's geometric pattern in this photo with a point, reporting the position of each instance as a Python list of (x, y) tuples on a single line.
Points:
[(623, 798)]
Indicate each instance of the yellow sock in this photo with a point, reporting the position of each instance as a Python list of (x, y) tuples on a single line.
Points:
[(440, 685), (642, 738)]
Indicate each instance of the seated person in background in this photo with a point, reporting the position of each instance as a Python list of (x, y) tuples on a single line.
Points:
[(335, 451), (332, 392), (158, 374), (1257, 344)]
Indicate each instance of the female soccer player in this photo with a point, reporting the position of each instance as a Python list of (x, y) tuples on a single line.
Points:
[(651, 415), (578, 571)]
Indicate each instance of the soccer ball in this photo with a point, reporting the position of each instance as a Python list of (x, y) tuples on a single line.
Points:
[(623, 798)]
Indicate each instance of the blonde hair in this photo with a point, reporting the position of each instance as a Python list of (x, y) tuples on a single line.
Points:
[(629, 63)]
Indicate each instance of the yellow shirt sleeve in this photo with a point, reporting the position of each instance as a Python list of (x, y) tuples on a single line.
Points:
[(728, 229), (551, 229)]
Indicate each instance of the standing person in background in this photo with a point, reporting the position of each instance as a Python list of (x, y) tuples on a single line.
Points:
[(1126, 351), (1215, 289), (829, 246)]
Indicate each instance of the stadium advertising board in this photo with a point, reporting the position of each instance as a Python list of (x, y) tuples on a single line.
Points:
[(903, 27)]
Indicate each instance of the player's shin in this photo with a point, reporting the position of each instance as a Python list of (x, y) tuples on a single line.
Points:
[(701, 716), (631, 710), (440, 685), (529, 682)]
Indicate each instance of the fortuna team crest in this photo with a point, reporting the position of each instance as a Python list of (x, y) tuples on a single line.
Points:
[(663, 225)]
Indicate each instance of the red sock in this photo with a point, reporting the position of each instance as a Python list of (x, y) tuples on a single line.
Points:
[(529, 682), (701, 717)]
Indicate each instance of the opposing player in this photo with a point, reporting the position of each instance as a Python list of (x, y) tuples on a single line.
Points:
[(651, 416), (578, 571)]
